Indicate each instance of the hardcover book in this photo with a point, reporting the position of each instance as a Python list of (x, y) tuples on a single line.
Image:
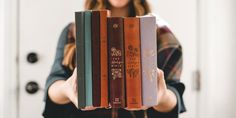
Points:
[(132, 62), (149, 60), (88, 58), (80, 61), (116, 62), (96, 68), (104, 58)]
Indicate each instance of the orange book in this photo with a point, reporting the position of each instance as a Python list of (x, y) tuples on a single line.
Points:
[(132, 62), (104, 58)]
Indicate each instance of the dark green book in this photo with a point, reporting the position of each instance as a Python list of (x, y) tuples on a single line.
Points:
[(88, 58), (80, 58)]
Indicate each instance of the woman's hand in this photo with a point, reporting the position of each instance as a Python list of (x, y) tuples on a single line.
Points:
[(71, 91), (63, 92), (166, 98)]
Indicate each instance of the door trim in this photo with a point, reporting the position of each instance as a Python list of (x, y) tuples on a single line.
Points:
[(203, 57), (11, 90)]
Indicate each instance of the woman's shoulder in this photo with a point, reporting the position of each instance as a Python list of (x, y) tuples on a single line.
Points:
[(165, 37)]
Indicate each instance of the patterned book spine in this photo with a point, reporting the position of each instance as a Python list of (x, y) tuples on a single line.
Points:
[(96, 59), (116, 62), (132, 62), (79, 21), (88, 58), (104, 58), (149, 60)]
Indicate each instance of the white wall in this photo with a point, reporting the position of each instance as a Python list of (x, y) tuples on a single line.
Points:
[(2, 36), (218, 98)]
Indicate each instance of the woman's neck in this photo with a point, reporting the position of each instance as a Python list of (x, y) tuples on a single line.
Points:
[(118, 12)]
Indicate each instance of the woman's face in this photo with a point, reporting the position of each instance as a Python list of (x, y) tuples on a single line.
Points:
[(118, 3)]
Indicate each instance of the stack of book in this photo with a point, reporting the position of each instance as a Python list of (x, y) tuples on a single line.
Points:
[(116, 60)]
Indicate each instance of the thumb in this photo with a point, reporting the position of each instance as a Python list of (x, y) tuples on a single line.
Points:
[(75, 72), (161, 79)]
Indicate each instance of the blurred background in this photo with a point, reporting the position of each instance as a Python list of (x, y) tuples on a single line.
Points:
[(29, 31)]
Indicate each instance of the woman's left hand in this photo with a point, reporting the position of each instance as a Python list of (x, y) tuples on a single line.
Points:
[(166, 98)]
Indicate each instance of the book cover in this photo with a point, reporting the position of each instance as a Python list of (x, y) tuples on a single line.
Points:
[(149, 60), (96, 59), (104, 58), (88, 58), (132, 62), (80, 61), (116, 62)]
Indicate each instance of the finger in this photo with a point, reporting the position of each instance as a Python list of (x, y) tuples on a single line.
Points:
[(74, 76), (160, 73), (109, 13), (76, 102), (89, 108), (137, 109), (75, 71), (144, 107), (162, 82), (131, 109)]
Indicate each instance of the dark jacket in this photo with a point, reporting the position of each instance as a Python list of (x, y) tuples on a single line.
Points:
[(169, 60)]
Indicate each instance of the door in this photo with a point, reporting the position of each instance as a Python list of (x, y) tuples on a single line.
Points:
[(40, 24)]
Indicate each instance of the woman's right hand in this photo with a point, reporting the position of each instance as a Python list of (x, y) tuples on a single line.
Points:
[(69, 88), (71, 91), (63, 92)]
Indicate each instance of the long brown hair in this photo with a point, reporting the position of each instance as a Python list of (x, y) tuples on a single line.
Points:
[(137, 8)]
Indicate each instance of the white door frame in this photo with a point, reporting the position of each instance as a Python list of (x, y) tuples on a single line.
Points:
[(202, 56), (10, 69), (2, 47)]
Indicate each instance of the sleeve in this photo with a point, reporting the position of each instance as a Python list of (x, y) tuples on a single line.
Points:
[(58, 72), (170, 61)]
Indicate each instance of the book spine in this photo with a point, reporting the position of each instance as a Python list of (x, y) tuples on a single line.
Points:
[(79, 21), (149, 60), (132, 62), (88, 58), (96, 59), (104, 58), (116, 62)]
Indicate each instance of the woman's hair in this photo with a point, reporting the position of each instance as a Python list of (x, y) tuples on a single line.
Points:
[(137, 8)]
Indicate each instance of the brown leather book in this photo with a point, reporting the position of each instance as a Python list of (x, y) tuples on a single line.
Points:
[(104, 58), (132, 62), (96, 59), (116, 62)]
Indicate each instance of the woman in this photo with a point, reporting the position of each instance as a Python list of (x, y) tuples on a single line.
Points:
[(61, 93)]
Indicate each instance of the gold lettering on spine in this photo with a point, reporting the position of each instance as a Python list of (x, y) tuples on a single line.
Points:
[(116, 63)]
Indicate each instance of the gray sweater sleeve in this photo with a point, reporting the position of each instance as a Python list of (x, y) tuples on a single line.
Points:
[(58, 71)]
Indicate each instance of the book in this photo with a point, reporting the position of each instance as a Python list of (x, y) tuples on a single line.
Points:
[(88, 58), (116, 62), (96, 59), (103, 58), (149, 60), (132, 62), (80, 61)]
